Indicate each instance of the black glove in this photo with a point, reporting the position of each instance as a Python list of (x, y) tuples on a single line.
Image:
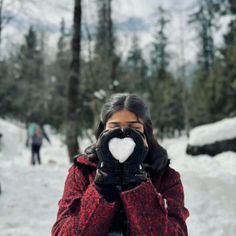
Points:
[(109, 191), (133, 170), (108, 168)]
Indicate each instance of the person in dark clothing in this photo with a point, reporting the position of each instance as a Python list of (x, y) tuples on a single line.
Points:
[(35, 136), (123, 184)]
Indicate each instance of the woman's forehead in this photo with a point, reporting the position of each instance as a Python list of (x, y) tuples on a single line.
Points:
[(124, 116)]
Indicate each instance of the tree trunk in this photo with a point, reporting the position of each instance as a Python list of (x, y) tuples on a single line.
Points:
[(73, 85)]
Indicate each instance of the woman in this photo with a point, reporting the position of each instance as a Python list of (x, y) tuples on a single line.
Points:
[(123, 185)]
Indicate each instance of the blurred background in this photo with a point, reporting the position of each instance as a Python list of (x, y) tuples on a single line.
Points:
[(60, 61)]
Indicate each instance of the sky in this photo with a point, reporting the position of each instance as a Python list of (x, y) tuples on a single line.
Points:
[(133, 17)]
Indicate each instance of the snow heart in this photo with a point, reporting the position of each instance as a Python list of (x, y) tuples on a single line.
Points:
[(121, 149)]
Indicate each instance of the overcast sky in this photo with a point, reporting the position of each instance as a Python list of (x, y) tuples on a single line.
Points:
[(130, 17)]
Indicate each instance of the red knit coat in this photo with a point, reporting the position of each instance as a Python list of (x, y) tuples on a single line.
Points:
[(154, 208)]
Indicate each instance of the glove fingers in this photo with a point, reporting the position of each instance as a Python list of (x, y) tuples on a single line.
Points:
[(136, 135), (103, 177), (106, 135), (116, 132)]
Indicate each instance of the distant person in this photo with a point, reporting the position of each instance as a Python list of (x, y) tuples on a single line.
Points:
[(123, 184), (35, 136)]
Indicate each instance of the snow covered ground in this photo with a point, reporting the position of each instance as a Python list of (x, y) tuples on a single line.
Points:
[(209, 189), (28, 204)]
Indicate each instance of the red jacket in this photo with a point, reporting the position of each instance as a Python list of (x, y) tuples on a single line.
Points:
[(154, 208)]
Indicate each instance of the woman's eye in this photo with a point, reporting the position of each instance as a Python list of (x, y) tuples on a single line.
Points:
[(114, 126), (136, 127)]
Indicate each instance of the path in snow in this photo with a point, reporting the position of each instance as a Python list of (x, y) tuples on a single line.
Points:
[(28, 203)]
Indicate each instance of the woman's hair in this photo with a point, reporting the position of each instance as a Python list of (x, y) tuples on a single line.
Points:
[(124, 101), (157, 156)]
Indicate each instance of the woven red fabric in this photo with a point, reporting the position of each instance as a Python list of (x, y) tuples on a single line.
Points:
[(155, 207)]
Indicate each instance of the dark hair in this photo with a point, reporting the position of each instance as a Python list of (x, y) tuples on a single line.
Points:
[(157, 156)]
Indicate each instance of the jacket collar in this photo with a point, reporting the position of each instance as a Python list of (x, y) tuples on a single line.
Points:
[(83, 159)]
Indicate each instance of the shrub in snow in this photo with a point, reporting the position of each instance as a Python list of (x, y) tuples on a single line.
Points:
[(214, 138)]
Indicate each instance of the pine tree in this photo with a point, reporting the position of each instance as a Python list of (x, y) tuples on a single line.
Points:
[(227, 87), (106, 60), (164, 91), (61, 45), (160, 56), (204, 20), (203, 89), (135, 76), (59, 73), (31, 77)]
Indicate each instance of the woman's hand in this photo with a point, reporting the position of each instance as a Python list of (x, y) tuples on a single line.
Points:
[(108, 168), (133, 171)]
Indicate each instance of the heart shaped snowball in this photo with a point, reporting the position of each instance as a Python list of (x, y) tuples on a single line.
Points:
[(121, 149)]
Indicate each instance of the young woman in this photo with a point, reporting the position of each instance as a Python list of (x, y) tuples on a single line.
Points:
[(123, 185)]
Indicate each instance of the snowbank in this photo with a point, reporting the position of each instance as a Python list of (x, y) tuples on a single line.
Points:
[(211, 133), (13, 138)]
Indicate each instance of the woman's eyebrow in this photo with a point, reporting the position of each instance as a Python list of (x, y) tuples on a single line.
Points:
[(129, 122), (113, 122), (134, 122)]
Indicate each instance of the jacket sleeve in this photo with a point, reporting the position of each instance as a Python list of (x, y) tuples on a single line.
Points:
[(82, 210), (155, 214)]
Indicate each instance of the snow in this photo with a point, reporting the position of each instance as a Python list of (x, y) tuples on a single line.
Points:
[(211, 133), (116, 82), (121, 149), (100, 94), (28, 204), (209, 185)]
